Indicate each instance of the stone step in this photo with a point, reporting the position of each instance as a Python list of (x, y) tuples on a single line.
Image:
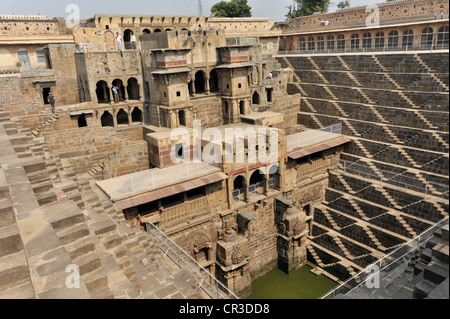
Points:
[(10, 240)]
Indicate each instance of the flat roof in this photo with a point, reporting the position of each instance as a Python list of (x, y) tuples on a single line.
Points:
[(308, 138), (171, 71), (168, 180), (312, 141), (260, 115)]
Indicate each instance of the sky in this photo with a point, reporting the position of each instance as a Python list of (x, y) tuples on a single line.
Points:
[(273, 9)]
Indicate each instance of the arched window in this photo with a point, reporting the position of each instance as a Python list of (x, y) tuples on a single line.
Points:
[(156, 30), (393, 40), (107, 119), (341, 42), (426, 39), (255, 98), (379, 40), (213, 81), (311, 44), (257, 183), (146, 31), (168, 29), (122, 117), (239, 188), (199, 82), (320, 43), (133, 89), (121, 89), (354, 42), (408, 39), (302, 45), (136, 115), (367, 41), (330, 43), (442, 38), (102, 91)]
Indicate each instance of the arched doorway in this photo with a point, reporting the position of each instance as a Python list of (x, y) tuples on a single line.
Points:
[(379, 40), (107, 119), (146, 31), (408, 39), (82, 121), (136, 115), (367, 41), (133, 89), (354, 42), (127, 38), (269, 94), (239, 188), (168, 29), (182, 118), (242, 108), (122, 117), (156, 30), (257, 183), (45, 93), (199, 82), (341, 42), (102, 91), (442, 40), (255, 98), (121, 88), (393, 40), (214, 81), (426, 39)]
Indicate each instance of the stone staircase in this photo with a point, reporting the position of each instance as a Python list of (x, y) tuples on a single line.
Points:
[(52, 218)]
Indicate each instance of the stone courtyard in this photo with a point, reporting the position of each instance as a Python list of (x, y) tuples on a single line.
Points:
[(113, 186)]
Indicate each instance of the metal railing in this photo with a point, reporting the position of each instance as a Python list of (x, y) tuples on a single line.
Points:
[(334, 128), (385, 48), (386, 265), (257, 188), (242, 41), (208, 283), (394, 178), (239, 194)]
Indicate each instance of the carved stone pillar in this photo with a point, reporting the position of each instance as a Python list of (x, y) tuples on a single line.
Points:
[(292, 233)]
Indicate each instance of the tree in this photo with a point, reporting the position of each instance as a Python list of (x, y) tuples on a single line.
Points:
[(302, 8), (343, 4), (232, 9)]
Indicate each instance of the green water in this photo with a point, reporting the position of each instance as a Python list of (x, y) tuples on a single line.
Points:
[(300, 284)]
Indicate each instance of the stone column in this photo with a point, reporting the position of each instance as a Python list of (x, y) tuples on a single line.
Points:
[(292, 232), (130, 120), (208, 89)]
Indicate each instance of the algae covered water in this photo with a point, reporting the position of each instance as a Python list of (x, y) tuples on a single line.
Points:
[(300, 284)]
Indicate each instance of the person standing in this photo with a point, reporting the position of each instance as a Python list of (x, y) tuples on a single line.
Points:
[(51, 100), (119, 41), (133, 41), (115, 91)]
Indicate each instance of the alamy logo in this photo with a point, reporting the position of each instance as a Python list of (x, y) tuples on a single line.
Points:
[(373, 280), (73, 19), (373, 19), (249, 145), (73, 279)]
